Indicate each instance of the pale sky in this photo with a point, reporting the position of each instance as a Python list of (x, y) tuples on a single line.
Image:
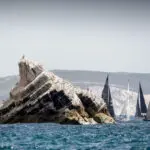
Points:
[(76, 35)]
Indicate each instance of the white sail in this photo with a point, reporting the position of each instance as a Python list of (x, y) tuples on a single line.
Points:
[(128, 116), (148, 112), (125, 110)]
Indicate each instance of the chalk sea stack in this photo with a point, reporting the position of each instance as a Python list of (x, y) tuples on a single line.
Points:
[(41, 96)]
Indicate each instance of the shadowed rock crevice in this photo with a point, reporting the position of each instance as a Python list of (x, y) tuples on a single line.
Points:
[(41, 96)]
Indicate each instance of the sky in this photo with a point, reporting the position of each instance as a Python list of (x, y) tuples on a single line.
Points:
[(101, 35)]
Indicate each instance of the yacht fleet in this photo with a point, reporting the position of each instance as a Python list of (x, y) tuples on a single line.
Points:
[(142, 112)]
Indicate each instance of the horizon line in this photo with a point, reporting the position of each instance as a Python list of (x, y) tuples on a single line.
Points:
[(78, 70)]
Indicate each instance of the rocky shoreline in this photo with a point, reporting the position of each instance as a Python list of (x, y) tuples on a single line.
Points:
[(41, 96)]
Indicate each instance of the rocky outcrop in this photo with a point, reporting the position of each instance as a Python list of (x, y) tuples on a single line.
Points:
[(41, 96), (1, 103)]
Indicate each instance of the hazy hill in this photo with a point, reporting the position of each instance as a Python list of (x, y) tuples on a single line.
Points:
[(88, 78), (94, 80), (6, 83), (116, 79)]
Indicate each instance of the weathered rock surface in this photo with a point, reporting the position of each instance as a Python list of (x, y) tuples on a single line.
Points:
[(1, 103), (41, 96)]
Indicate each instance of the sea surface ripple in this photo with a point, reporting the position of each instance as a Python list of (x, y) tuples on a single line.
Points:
[(47, 136)]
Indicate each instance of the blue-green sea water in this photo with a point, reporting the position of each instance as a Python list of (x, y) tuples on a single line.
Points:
[(121, 136)]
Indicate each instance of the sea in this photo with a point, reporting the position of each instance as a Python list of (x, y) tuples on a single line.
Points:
[(132, 135)]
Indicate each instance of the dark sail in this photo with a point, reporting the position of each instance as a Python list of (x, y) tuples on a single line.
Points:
[(142, 101), (141, 108), (106, 95), (138, 111)]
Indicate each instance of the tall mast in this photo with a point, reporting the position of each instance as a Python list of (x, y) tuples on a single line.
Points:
[(108, 88)]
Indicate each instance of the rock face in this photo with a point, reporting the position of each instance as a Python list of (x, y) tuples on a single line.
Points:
[(1, 103), (41, 96)]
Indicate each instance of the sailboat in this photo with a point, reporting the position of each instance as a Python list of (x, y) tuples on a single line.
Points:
[(147, 117), (106, 95), (141, 108), (125, 111)]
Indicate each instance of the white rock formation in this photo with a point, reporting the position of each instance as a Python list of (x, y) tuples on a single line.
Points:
[(120, 97), (41, 96)]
